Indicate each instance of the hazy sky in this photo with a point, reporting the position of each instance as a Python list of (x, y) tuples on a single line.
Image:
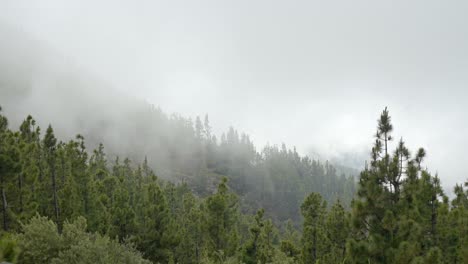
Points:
[(314, 74)]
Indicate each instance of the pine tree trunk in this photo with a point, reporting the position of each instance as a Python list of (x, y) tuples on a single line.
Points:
[(197, 254), (386, 148), (433, 217), (41, 169), (54, 187), (20, 187), (4, 206), (63, 171), (314, 249)]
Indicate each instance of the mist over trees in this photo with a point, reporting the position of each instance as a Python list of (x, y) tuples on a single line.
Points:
[(152, 132), (177, 148), (133, 184), (62, 204)]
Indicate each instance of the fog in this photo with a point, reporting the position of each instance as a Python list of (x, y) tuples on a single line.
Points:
[(312, 74)]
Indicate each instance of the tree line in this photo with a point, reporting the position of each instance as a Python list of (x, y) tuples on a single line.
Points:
[(63, 204), (180, 149)]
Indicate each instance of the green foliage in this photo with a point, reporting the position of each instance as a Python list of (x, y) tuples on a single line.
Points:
[(9, 249), (221, 220), (290, 241), (401, 214), (313, 237), (337, 232), (259, 248), (41, 243), (63, 204), (156, 227)]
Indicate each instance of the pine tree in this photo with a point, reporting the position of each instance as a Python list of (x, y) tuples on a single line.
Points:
[(337, 232), (313, 238), (397, 210), (151, 239), (28, 184), (191, 245), (290, 242), (9, 169), (251, 249), (50, 147), (376, 196), (221, 220), (122, 215)]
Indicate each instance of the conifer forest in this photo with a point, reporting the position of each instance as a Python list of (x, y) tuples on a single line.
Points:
[(63, 203), (233, 132)]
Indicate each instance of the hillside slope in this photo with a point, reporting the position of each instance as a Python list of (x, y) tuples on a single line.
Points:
[(35, 80)]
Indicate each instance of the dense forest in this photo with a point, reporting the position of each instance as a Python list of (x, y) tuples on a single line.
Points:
[(62, 203), (178, 149)]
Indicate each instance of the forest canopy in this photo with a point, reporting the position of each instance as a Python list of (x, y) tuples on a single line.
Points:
[(62, 203)]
